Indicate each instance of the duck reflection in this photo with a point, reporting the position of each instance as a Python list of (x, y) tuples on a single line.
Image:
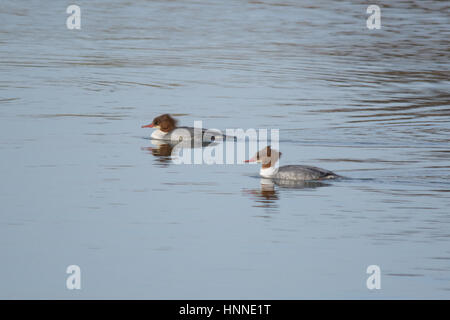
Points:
[(266, 196), (268, 193), (163, 150)]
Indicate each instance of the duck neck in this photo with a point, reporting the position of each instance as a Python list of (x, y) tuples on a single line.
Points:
[(268, 170)]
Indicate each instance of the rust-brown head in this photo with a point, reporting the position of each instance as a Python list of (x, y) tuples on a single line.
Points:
[(163, 122), (266, 157)]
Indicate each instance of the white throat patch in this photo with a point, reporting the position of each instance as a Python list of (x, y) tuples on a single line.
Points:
[(158, 134), (268, 172)]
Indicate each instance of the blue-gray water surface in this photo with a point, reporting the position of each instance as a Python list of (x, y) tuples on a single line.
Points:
[(81, 186)]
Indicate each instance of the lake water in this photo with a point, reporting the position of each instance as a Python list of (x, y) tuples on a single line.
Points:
[(80, 186)]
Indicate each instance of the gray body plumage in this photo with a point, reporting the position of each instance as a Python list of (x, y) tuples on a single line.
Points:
[(301, 172)]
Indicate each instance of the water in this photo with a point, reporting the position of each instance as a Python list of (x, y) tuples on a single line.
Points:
[(80, 186)]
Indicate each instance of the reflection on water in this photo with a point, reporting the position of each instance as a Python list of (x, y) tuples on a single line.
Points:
[(162, 151), (165, 151), (78, 186), (268, 195)]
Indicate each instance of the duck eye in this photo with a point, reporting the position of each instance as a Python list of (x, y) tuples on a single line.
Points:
[(156, 122)]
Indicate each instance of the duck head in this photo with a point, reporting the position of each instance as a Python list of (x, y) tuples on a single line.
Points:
[(164, 122), (266, 156)]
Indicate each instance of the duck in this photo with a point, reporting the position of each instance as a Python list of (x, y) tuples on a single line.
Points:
[(270, 169), (167, 129)]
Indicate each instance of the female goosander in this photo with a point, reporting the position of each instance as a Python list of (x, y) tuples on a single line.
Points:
[(269, 169), (167, 130)]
